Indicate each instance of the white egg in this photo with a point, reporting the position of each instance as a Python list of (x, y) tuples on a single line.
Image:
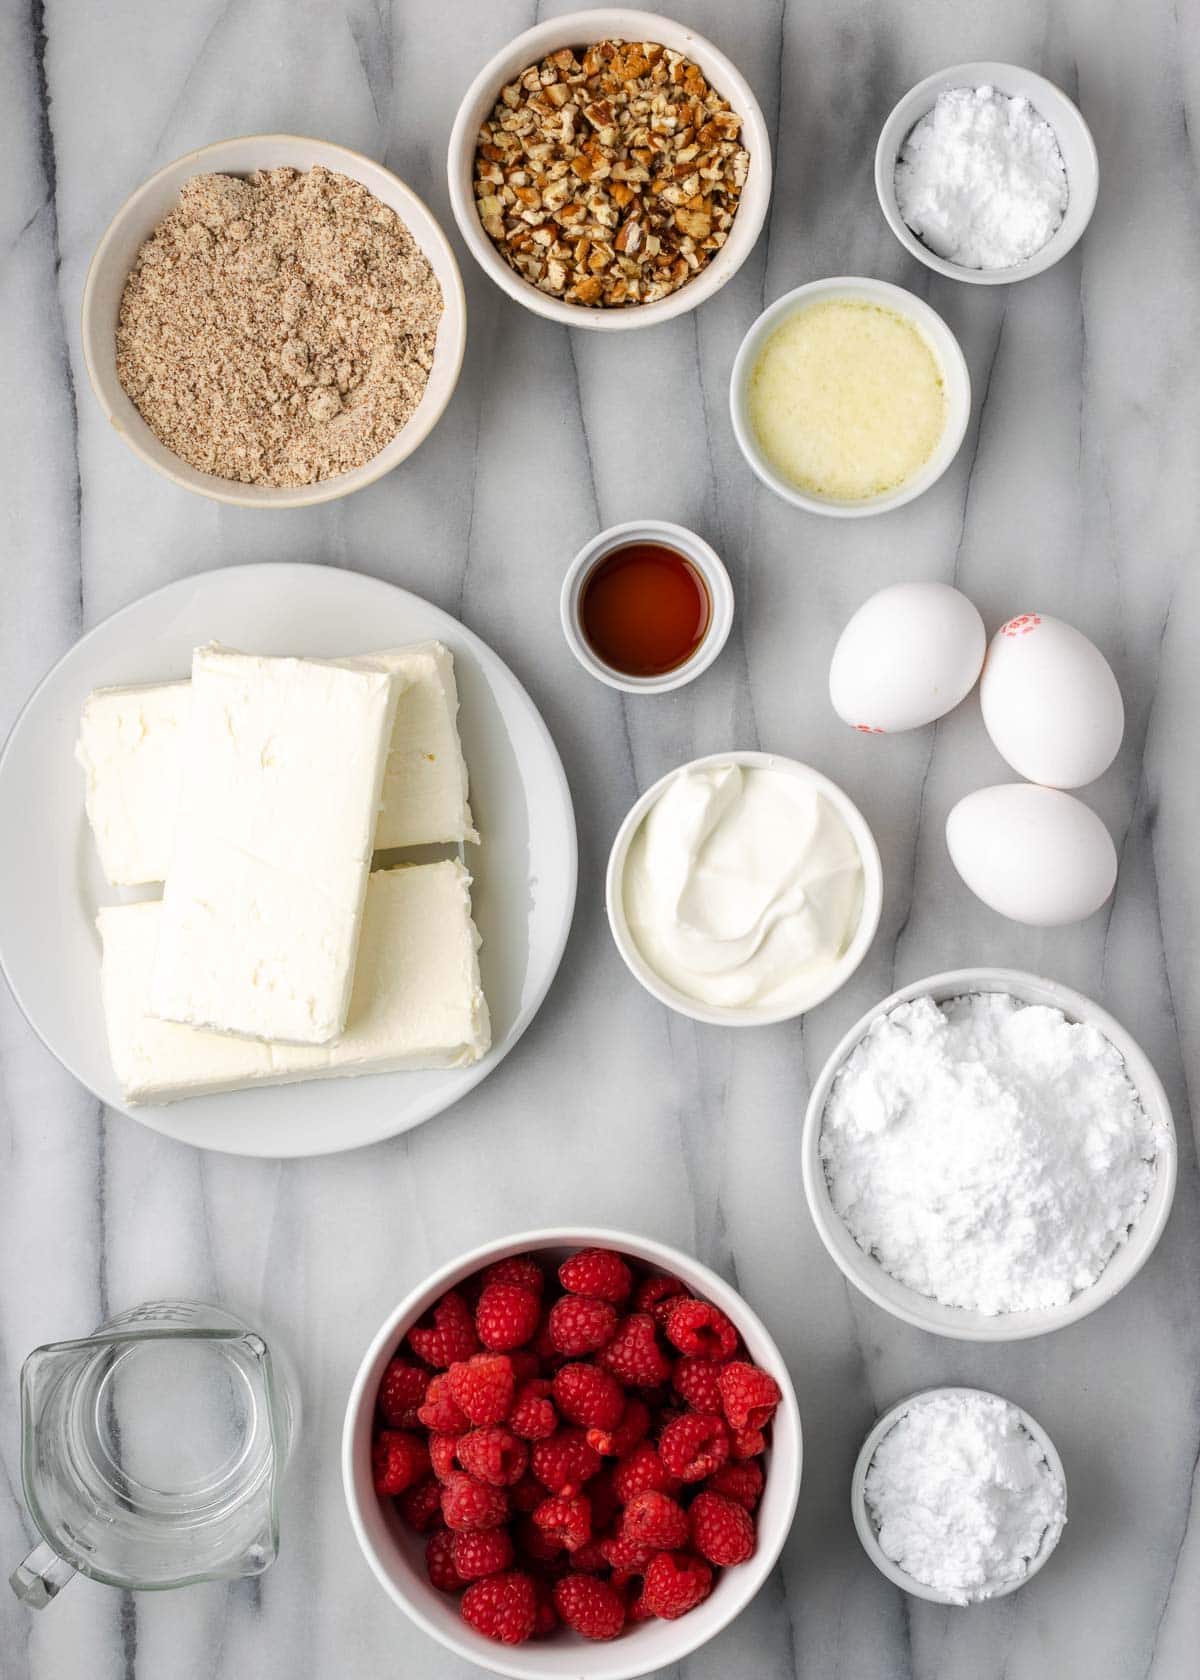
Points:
[(908, 656), (1033, 853), (1050, 702)]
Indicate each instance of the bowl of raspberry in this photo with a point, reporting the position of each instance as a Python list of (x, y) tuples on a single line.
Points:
[(572, 1453)]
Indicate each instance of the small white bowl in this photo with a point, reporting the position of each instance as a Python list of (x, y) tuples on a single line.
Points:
[(577, 29), (868, 922), (942, 342), (866, 1528), (140, 215), (963, 1323), (1074, 141), (693, 548), (396, 1555)]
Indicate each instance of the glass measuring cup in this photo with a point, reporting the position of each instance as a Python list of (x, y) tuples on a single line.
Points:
[(152, 1452)]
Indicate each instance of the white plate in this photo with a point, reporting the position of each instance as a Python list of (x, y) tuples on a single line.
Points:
[(51, 883)]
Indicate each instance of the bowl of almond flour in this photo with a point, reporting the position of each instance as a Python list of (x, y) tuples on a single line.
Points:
[(274, 321), (988, 1155)]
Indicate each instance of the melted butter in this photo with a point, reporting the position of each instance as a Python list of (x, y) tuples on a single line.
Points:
[(847, 400)]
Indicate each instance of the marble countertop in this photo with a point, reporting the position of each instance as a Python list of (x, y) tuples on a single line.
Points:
[(1075, 493)]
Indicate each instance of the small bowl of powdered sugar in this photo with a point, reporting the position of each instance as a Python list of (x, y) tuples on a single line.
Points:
[(958, 1496), (986, 173), (988, 1155)]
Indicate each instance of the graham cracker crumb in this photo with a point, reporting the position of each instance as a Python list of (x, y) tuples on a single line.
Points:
[(278, 329)]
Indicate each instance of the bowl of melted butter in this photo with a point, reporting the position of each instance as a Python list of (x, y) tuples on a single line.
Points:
[(850, 397)]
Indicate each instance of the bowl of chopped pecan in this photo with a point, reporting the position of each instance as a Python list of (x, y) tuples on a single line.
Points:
[(610, 169)]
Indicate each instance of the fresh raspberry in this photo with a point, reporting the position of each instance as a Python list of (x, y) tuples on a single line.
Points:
[(439, 1561), (741, 1482), (633, 1355), (502, 1607), (398, 1460), (589, 1606), (700, 1329), (547, 1616), (589, 1396), (468, 1504), (674, 1584), (625, 1556), (533, 1416), (401, 1393), (483, 1387), (567, 1521), (722, 1530), (493, 1455), (421, 1505), (637, 1610), (527, 1494), (564, 1462), (697, 1382), (443, 1454), (579, 1325), (747, 1443), (642, 1469), (521, 1269), (597, 1272), (482, 1552), (507, 1316), (445, 1334), (633, 1427), (748, 1396), (653, 1291), (694, 1445), (655, 1520), (439, 1411)]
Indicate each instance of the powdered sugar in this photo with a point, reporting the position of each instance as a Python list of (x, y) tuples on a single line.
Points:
[(981, 179), (988, 1153), (961, 1495)]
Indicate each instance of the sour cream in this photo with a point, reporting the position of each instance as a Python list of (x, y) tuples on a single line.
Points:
[(743, 887)]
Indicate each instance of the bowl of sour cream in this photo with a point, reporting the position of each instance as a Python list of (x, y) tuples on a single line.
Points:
[(743, 889)]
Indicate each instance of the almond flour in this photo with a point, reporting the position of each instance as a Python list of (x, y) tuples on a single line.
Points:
[(278, 329)]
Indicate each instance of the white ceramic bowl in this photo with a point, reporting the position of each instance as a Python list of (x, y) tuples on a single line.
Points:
[(868, 921), (941, 341), (961, 1323), (397, 1556), (1074, 140), (866, 1528), (140, 215), (693, 548), (577, 29)]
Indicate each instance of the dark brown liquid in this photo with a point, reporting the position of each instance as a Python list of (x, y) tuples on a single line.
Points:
[(645, 609)]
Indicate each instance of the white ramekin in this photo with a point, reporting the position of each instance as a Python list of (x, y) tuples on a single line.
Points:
[(693, 548), (577, 29), (962, 1323), (1074, 140), (397, 1556), (866, 1528), (945, 347), (140, 215), (868, 921)]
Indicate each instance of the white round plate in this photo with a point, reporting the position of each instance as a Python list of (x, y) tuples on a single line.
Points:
[(51, 884)]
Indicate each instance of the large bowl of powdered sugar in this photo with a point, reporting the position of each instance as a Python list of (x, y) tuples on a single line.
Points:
[(989, 1155)]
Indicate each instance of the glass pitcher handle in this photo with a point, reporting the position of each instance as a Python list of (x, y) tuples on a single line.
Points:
[(41, 1577)]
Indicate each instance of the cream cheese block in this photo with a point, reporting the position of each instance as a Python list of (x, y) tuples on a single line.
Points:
[(278, 801), (130, 747), (417, 999)]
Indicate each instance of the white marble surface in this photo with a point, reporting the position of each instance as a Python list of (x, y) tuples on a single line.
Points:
[(1074, 493)]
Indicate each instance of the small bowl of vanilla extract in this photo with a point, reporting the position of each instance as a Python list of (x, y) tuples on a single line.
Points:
[(646, 606)]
